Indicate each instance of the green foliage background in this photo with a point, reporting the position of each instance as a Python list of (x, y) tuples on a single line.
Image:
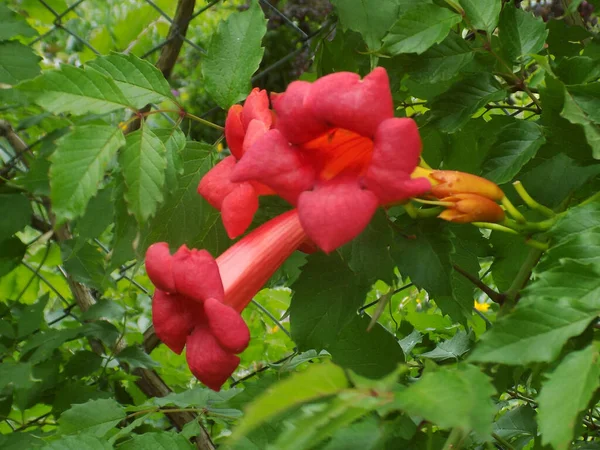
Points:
[(376, 346)]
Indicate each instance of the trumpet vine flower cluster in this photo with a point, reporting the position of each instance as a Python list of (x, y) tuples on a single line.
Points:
[(334, 150)]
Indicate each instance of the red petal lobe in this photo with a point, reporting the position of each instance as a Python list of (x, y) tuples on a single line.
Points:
[(172, 319), (196, 274), (238, 209), (216, 184), (158, 266), (227, 326)]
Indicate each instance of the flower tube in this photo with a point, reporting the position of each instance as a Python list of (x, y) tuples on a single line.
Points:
[(336, 151), (198, 299)]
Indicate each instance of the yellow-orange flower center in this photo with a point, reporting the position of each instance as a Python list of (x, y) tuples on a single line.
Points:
[(339, 151)]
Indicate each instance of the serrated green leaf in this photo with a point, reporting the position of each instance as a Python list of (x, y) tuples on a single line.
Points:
[(12, 252), (517, 143), (576, 220), (559, 305), (125, 232), (16, 374), (453, 348), (234, 54), (578, 70), (197, 397), (143, 162), (13, 24), (365, 435), (510, 253), (140, 82), (18, 214), (157, 441), (77, 91), (19, 441), (457, 397), (174, 141), (31, 317), (104, 309), (98, 215), (482, 14), (82, 363), (79, 442), (441, 62), (583, 247), (95, 417), (43, 344), (78, 166), (36, 179), (516, 422), (135, 357), (85, 264), (520, 32), (317, 382), (371, 18), (323, 316), (419, 28), (580, 105), (454, 108), (185, 217), (17, 62), (559, 407)]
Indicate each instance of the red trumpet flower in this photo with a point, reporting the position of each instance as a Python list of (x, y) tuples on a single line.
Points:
[(336, 151), (198, 300), (238, 201)]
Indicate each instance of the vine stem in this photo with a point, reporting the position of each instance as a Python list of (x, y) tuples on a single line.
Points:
[(455, 440), (520, 280), (492, 294)]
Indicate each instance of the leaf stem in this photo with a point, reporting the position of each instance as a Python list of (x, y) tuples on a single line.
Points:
[(204, 122), (496, 297), (503, 442), (529, 201)]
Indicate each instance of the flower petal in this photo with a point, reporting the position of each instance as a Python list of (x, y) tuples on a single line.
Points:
[(196, 274), (272, 161), (208, 361), (216, 184), (234, 130), (256, 107), (158, 266), (255, 130), (344, 100), (238, 209), (395, 156), (297, 122), (227, 326), (336, 212), (172, 318)]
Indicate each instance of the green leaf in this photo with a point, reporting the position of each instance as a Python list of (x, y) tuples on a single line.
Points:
[(419, 28), (441, 62), (13, 24), (317, 382), (17, 62), (104, 309), (520, 32), (576, 220), (125, 232), (482, 14), (17, 374), (143, 163), (371, 18), (79, 442), (185, 217), (559, 407), (234, 54), (18, 214), (454, 108), (95, 417), (12, 252), (140, 82), (157, 441), (78, 166), (76, 91), (364, 435), (135, 357), (559, 305), (517, 422), (197, 397), (578, 70), (86, 265), (368, 255), (174, 141), (31, 317), (580, 108), (453, 348), (517, 143), (457, 397), (43, 344), (19, 441), (36, 179), (82, 364), (583, 247), (98, 215), (510, 253), (323, 316)]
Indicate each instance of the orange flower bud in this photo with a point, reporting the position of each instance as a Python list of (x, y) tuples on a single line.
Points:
[(450, 182), (471, 208)]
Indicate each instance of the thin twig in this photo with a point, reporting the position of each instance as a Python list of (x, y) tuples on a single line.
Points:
[(496, 297)]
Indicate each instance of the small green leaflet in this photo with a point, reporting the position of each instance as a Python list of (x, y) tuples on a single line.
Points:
[(143, 161), (482, 14), (76, 91), (559, 407), (163, 440), (140, 82), (95, 417), (17, 62), (520, 32), (78, 166), (581, 108), (517, 143), (234, 54), (13, 24), (20, 214), (419, 28)]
